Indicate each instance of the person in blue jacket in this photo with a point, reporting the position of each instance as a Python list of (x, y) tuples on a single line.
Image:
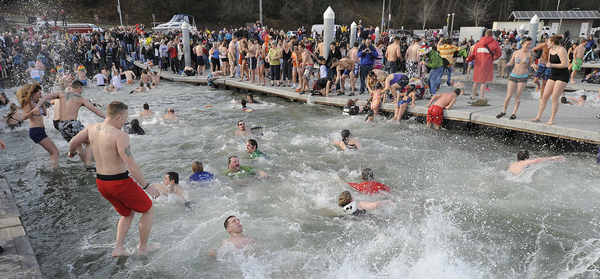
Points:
[(367, 54)]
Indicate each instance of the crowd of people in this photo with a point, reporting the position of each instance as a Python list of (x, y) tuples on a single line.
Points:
[(390, 68)]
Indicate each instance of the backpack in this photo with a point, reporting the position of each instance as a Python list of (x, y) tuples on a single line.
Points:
[(445, 61)]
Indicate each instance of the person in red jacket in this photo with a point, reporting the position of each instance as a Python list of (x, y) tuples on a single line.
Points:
[(485, 52), (368, 186)]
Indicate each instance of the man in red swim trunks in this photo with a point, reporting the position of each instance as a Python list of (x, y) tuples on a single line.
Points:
[(435, 113), (368, 186), (111, 149)]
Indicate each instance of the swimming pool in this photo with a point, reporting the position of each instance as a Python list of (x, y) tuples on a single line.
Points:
[(458, 214)]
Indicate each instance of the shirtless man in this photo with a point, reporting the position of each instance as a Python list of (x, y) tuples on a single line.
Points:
[(542, 71), (307, 65), (198, 50), (170, 114), (69, 126), (523, 161), (578, 59), (147, 111), (251, 57), (242, 130), (153, 74), (319, 50), (113, 155), (354, 73), (344, 68), (237, 238), (145, 78), (82, 73), (412, 59), (392, 55), (170, 185), (231, 56), (435, 113), (130, 75), (580, 101)]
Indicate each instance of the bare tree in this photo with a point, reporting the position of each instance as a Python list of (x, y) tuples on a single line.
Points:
[(405, 10), (426, 11), (478, 11)]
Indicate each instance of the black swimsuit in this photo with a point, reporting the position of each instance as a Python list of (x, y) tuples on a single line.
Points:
[(561, 74)]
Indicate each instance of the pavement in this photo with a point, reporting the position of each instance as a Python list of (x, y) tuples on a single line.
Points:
[(18, 259)]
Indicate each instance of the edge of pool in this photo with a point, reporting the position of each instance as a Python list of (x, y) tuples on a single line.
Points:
[(18, 259)]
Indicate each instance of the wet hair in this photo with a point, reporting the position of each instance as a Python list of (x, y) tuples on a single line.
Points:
[(197, 167), (378, 86), (351, 102), (146, 106), (345, 135), (253, 142), (226, 224), (5, 99), (563, 100), (584, 97), (251, 96), (344, 198), (367, 174), (456, 91), (136, 128), (173, 176), (76, 84), (522, 155), (25, 93), (229, 159), (171, 110), (115, 108), (356, 44), (243, 102)]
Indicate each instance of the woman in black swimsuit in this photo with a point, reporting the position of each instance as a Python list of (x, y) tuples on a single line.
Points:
[(559, 77)]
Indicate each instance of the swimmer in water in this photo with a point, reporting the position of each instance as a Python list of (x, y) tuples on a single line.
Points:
[(347, 143), (368, 184), (170, 185), (170, 114), (242, 131), (250, 99), (237, 238), (235, 170), (523, 161), (147, 111), (350, 206), (252, 148)]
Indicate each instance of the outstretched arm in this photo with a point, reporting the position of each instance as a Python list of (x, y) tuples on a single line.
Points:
[(53, 95), (94, 109), (437, 96)]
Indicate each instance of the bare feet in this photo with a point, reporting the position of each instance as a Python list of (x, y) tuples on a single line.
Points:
[(120, 253), (535, 120), (148, 249), (241, 79), (573, 81), (550, 123)]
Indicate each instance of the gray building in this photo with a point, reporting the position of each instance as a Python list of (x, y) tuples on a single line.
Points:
[(578, 23)]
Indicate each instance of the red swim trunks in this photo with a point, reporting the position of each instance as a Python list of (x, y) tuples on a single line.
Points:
[(125, 195), (435, 114), (370, 187)]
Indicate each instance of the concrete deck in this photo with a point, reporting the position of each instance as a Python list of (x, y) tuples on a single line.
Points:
[(572, 122), (18, 259)]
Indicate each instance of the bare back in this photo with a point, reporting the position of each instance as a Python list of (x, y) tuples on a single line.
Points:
[(393, 52), (70, 102), (106, 140), (446, 99), (412, 54), (352, 54)]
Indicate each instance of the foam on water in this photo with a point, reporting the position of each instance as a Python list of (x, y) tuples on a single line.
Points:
[(458, 215)]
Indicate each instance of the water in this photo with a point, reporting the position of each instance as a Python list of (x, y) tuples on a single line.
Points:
[(458, 215)]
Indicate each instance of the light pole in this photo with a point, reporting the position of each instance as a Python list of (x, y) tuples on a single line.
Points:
[(262, 24), (452, 26), (447, 23), (382, 15), (119, 9)]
